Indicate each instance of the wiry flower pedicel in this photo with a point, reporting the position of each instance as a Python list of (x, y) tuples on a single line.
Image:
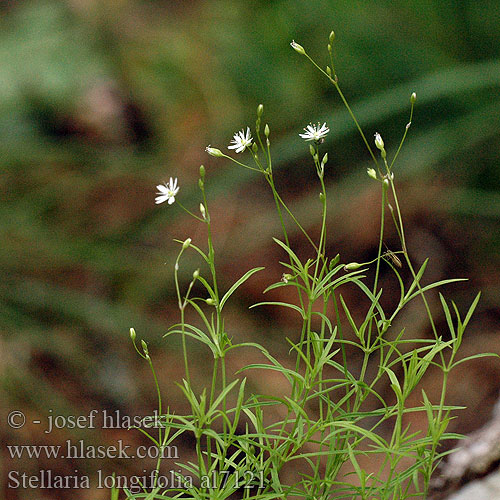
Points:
[(241, 141), (315, 132), (167, 191)]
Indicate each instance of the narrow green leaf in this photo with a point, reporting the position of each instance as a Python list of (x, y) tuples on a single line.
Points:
[(349, 317), (238, 283), (220, 397), (417, 278), (448, 317), (475, 356), (290, 252), (283, 304), (208, 287), (471, 310), (433, 285)]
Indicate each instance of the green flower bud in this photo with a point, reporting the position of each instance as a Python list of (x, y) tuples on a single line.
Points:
[(312, 150), (260, 110), (203, 211), (196, 274), (210, 301), (201, 184), (413, 98), (352, 266), (186, 244), (371, 173), (325, 159), (214, 151), (332, 36), (322, 197), (132, 334), (202, 171), (255, 148), (266, 130), (298, 48), (329, 71), (329, 48), (379, 142), (145, 347), (286, 277)]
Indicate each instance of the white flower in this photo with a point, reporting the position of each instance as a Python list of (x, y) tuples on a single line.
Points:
[(315, 132), (167, 192), (241, 141)]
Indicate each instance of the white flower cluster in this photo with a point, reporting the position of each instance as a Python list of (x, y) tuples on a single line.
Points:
[(240, 141)]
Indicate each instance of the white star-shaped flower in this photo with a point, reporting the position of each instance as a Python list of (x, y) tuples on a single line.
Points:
[(167, 191), (241, 141), (315, 132)]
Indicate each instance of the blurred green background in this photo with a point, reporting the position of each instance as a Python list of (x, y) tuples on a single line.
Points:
[(101, 101)]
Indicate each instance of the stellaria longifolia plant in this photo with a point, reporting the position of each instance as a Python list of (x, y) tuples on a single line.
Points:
[(328, 419)]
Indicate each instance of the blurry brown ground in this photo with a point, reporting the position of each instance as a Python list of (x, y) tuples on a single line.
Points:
[(99, 103)]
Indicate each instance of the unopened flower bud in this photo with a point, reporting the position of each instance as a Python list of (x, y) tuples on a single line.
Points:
[(371, 173), (210, 301), (286, 277), (255, 148), (214, 151), (352, 266), (196, 274), (325, 159), (202, 171), (329, 71), (322, 197), (413, 98), (298, 48), (266, 130), (145, 347), (379, 142), (132, 334), (186, 243), (329, 48), (201, 184), (260, 110), (312, 150), (332, 36), (203, 211)]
